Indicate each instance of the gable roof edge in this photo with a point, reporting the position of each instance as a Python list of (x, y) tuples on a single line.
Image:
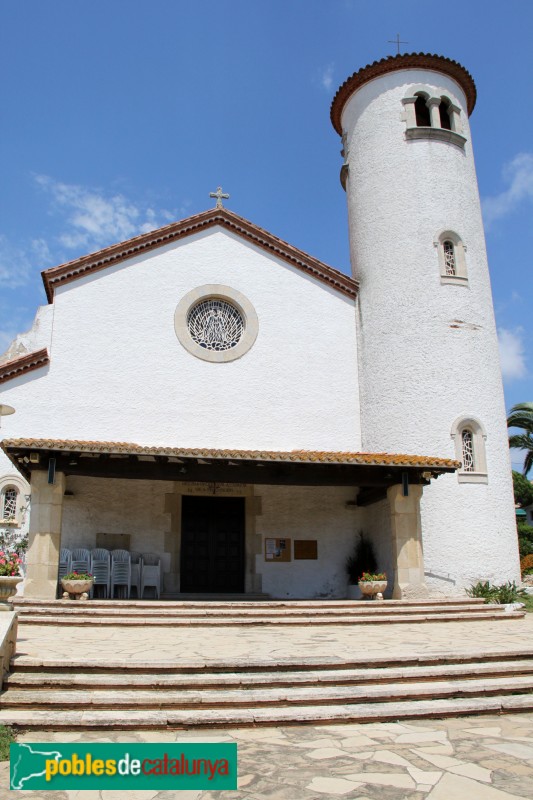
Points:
[(114, 254), (26, 363)]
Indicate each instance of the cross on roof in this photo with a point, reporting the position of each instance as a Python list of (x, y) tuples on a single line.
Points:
[(220, 195), (397, 42)]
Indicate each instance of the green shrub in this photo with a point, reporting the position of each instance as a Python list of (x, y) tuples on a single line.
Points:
[(523, 489), (362, 559), (6, 738), (482, 589), (505, 593)]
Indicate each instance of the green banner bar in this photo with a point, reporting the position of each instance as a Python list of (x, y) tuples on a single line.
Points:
[(118, 766)]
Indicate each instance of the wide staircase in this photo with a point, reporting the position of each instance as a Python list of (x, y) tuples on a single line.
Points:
[(87, 692), (257, 611)]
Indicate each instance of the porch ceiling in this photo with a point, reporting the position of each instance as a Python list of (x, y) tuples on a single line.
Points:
[(373, 472)]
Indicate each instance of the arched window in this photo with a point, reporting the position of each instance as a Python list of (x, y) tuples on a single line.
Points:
[(9, 503), (428, 114), (423, 118), (469, 437), (451, 257), (450, 265), (444, 113)]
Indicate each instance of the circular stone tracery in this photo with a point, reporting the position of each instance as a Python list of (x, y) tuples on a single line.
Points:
[(215, 324)]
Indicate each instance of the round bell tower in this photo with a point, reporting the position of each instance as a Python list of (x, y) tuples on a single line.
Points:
[(428, 356)]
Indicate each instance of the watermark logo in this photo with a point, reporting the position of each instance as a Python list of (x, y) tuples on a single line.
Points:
[(123, 766)]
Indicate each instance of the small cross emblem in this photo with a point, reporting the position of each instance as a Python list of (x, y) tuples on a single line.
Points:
[(220, 195), (397, 42)]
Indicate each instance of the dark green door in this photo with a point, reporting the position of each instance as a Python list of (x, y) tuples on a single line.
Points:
[(212, 544)]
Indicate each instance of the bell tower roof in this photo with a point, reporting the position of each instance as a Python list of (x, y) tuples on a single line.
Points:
[(404, 61)]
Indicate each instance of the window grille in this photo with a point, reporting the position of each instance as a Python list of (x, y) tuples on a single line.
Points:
[(10, 504), (215, 324), (468, 450), (450, 264)]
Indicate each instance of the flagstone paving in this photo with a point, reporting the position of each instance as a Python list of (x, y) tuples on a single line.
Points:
[(181, 644), (468, 758)]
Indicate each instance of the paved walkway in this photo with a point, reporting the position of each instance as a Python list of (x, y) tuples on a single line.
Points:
[(184, 644), (471, 758), (475, 758)]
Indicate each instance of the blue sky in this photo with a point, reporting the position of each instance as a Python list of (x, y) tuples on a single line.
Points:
[(122, 115)]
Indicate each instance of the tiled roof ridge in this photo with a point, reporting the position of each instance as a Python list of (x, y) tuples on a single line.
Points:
[(26, 363), (101, 259), (300, 456), (388, 64)]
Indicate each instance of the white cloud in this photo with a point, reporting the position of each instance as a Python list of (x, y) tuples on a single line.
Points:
[(15, 265), (518, 173), (326, 77), (95, 218), (512, 353)]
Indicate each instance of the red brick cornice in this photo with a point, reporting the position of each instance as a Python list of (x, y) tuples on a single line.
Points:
[(71, 271), (393, 63), (18, 366)]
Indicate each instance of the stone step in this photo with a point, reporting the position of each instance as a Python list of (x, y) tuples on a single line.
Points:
[(131, 680), (87, 719), (364, 609), (202, 665), (21, 602), (89, 618), (135, 698)]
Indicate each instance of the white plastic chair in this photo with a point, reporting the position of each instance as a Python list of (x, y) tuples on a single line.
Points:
[(151, 573), (101, 569), (65, 561), (120, 571), (81, 560), (136, 567)]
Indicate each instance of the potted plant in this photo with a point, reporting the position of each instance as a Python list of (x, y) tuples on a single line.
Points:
[(361, 560), (9, 577), (76, 585), (373, 584)]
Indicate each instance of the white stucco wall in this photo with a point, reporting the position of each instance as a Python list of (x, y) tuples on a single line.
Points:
[(320, 513), (97, 505), (428, 351), (119, 373)]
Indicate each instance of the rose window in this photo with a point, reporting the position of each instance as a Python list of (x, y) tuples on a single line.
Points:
[(215, 324)]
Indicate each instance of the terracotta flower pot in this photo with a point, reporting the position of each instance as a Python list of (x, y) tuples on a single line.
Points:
[(76, 590), (371, 589)]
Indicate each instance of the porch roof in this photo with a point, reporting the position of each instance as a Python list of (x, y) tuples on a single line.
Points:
[(374, 472)]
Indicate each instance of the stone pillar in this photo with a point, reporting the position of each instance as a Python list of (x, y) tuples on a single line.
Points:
[(406, 533), (433, 104), (44, 536)]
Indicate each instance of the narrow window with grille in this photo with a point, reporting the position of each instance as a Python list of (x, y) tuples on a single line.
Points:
[(450, 263), (468, 450), (10, 503)]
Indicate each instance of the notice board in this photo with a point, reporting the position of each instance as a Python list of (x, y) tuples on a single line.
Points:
[(277, 549), (306, 549)]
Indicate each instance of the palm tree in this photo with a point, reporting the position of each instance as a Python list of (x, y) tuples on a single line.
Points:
[(521, 416)]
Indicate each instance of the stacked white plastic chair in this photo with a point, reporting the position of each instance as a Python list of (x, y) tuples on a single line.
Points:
[(101, 570), (151, 573), (81, 560), (136, 567), (120, 571), (65, 561)]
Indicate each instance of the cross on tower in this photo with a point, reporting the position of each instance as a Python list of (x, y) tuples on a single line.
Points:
[(220, 195), (397, 42)]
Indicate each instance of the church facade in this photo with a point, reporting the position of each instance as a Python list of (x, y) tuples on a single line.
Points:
[(212, 394)]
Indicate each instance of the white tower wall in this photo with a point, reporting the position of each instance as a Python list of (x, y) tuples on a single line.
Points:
[(427, 350)]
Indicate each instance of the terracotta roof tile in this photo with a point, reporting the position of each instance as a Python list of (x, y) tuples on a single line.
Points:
[(72, 270), (27, 363), (297, 456), (404, 61)]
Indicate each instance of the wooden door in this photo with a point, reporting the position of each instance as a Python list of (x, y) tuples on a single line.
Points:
[(212, 544)]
